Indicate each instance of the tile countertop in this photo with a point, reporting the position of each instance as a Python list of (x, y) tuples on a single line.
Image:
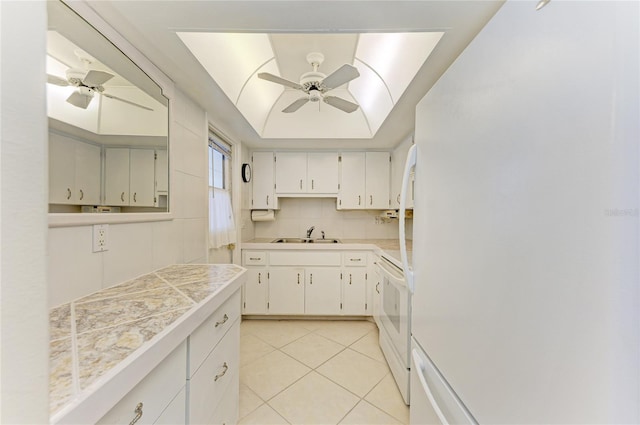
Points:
[(127, 329), (391, 247)]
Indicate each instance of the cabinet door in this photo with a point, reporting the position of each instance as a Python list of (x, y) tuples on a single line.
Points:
[(352, 181), (377, 177), (116, 163), (322, 172), (256, 291), (87, 176), (61, 170), (291, 172), (286, 290), (162, 171), (142, 177), (263, 181), (322, 290), (354, 291)]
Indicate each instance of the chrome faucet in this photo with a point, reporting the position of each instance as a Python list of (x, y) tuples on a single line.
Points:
[(309, 231)]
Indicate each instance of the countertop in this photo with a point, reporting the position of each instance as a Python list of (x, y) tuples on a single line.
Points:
[(389, 247), (132, 326)]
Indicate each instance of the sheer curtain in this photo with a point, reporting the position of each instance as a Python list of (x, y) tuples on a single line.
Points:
[(222, 228)]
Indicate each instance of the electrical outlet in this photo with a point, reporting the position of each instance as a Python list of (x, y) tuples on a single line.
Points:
[(100, 237)]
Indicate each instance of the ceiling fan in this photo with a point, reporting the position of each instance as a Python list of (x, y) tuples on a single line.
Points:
[(87, 82), (315, 84)]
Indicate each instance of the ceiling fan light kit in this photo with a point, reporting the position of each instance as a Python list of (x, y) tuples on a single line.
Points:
[(315, 84)]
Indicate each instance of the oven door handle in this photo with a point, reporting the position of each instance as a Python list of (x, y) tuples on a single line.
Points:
[(390, 274)]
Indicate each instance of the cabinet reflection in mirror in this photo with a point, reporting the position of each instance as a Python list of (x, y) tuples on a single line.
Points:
[(108, 124)]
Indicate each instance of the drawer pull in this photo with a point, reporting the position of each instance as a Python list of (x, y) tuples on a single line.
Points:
[(138, 413), (349, 278), (355, 259), (377, 290), (225, 368), (223, 321), (255, 258)]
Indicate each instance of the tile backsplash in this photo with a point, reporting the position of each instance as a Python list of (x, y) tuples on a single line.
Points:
[(296, 215)]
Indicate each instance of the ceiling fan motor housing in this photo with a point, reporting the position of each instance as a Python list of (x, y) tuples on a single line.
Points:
[(312, 81)]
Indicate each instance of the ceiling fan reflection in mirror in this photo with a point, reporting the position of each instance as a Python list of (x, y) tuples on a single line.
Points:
[(316, 84), (87, 82)]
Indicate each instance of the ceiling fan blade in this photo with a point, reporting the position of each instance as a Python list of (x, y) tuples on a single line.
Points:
[(58, 81), (279, 80), (343, 105), (110, 96), (340, 76), (96, 78), (80, 100), (295, 105)]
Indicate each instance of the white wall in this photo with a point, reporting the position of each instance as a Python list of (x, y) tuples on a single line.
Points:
[(296, 215), (24, 341), (139, 248)]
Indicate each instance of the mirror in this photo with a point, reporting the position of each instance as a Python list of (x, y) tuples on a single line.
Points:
[(108, 124)]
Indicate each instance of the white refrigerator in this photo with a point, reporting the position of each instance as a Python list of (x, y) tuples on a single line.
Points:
[(525, 231)]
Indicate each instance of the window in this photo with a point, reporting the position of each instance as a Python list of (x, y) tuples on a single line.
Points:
[(222, 230)]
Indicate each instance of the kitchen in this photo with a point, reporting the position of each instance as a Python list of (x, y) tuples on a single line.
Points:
[(526, 212)]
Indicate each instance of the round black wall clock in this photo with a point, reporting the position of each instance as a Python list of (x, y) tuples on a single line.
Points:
[(246, 173)]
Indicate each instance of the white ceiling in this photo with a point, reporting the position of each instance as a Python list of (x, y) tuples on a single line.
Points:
[(152, 27)]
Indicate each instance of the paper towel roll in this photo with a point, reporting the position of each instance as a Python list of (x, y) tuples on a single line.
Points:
[(263, 215)]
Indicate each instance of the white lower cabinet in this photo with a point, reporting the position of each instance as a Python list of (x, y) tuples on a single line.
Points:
[(322, 291), (322, 282), (286, 290), (354, 283), (214, 378), (198, 383), (151, 397)]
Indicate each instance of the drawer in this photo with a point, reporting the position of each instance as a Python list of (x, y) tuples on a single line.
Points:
[(229, 407), (215, 377), (356, 258), (254, 258), (310, 258), (207, 336), (156, 392)]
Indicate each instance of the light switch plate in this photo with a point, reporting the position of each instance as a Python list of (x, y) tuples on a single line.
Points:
[(100, 237)]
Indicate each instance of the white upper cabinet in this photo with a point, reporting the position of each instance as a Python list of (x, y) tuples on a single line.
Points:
[(364, 180), (130, 177), (307, 173), (263, 181), (378, 166), (291, 172), (352, 181), (116, 166), (142, 178), (322, 172), (74, 171)]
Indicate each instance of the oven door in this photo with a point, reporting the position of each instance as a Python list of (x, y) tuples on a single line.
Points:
[(395, 308)]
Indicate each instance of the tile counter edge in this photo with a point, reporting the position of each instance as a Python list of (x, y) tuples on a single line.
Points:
[(89, 405)]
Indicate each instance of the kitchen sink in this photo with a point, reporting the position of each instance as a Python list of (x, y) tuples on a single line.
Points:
[(304, 240)]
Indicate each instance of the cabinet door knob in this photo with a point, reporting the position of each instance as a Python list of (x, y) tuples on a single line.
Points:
[(225, 367), (138, 412), (81, 195), (68, 193), (122, 197), (223, 321)]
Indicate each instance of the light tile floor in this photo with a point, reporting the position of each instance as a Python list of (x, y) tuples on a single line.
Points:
[(316, 372)]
